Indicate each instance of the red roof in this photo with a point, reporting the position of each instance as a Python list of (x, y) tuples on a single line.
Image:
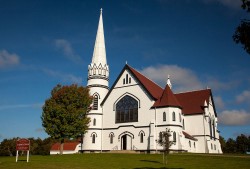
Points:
[(66, 146), (167, 99), (154, 90), (189, 136), (193, 102)]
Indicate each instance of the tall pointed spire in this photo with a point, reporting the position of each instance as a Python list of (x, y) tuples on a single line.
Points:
[(98, 68), (99, 54)]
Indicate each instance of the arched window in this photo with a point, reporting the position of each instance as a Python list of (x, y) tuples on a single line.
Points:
[(211, 146), (183, 124), (174, 137), (194, 144), (160, 137), (210, 128), (93, 135), (214, 147), (173, 116), (214, 129), (141, 137), (94, 122), (189, 143), (164, 116), (180, 117), (111, 136), (95, 102), (127, 110)]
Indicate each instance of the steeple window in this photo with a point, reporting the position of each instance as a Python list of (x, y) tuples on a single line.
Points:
[(127, 110), (95, 102)]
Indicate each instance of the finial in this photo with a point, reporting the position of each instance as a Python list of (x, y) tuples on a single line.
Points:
[(126, 62), (168, 82), (101, 10)]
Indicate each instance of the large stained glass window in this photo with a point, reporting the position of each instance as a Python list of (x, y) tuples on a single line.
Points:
[(127, 110)]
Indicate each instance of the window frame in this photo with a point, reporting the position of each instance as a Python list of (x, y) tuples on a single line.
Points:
[(126, 110)]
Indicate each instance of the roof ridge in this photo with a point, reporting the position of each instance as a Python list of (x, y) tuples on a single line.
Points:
[(192, 91)]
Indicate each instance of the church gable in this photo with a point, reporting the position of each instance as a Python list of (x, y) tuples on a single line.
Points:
[(131, 77), (126, 79)]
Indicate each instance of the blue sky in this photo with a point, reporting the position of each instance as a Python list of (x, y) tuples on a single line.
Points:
[(43, 43)]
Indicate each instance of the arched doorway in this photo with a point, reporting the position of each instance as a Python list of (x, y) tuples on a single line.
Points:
[(126, 142)]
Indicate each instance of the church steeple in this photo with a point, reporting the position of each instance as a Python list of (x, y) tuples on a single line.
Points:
[(98, 68), (99, 54)]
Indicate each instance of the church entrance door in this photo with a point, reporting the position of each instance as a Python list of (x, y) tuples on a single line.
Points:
[(126, 142)]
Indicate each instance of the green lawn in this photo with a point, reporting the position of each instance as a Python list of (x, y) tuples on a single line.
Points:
[(132, 161)]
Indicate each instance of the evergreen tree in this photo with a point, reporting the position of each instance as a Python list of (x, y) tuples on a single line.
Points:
[(242, 144), (223, 144), (230, 146)]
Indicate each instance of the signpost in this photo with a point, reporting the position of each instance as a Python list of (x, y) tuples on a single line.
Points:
[(23, 145)]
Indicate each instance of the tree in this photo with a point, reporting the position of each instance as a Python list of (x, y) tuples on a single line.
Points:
[(8, 147), (242, 33), (222, 143), (242, 144), (64, 113), (231, 146), (165, 142), (246, 5)]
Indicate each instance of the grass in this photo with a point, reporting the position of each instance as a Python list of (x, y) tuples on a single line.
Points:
[(127, 161)]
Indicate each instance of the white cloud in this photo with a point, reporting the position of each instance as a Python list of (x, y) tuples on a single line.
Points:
[(182, 79), (64, 77), (243, 97), (236, 4), (67, 50), (219, 102), (7, 59), (234, 117), (215, 84)]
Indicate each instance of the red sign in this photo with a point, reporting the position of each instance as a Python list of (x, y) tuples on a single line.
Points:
[(23, 145)]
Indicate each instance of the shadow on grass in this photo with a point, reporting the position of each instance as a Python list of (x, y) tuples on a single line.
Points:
[(152, 161), (21, 160), (156, 168)]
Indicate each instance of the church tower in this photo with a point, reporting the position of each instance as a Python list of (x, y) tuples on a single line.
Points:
[(98, 78)]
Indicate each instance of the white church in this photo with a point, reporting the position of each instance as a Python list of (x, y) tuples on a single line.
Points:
[(131, 114)]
